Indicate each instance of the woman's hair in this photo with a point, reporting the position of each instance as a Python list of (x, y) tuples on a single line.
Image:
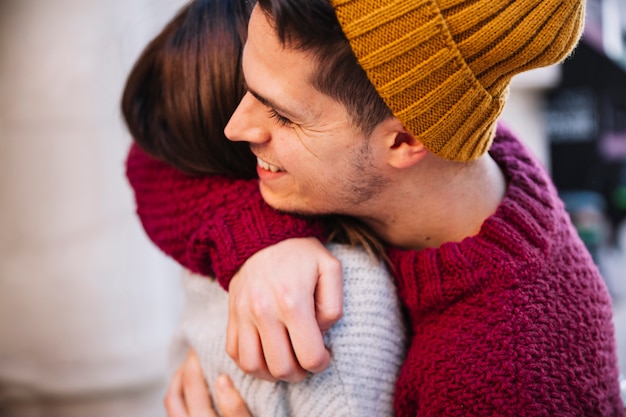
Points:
[(185, 86)]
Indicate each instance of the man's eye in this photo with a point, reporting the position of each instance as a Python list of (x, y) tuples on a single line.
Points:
[(282, 120)]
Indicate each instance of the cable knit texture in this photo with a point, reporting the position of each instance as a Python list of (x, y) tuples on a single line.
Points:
[(515, 321), (210, 225), (444, 66), (367, 345)]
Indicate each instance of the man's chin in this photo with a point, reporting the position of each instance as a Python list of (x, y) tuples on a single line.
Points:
[(296, 211), (289, 207), (290, 204)]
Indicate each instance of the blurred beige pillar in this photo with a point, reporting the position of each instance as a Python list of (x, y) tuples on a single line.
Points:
[(87, 304)]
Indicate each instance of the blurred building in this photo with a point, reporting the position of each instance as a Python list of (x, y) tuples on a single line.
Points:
[(585, 125), (573, 117)]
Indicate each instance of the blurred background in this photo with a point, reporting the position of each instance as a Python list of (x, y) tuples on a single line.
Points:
[(88, 305)]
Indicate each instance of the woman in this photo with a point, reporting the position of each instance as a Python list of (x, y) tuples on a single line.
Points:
[(178, 98)]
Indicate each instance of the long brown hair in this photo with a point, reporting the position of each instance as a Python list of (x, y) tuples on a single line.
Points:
[(185, 86)]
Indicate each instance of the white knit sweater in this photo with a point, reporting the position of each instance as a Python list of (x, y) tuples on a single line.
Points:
[(367, 346)]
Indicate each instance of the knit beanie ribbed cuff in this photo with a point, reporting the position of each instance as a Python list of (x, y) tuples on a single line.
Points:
[(444, 66)]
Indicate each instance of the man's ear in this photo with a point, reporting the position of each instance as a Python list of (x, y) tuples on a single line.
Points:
[(404, 149)]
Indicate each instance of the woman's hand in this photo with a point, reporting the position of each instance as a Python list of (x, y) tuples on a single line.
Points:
[(280, 302), (188, 394)]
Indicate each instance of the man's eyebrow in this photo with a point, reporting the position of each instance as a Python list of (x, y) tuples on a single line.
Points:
[(269, 103)]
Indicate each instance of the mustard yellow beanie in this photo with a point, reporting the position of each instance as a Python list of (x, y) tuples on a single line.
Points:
[(444, 66)]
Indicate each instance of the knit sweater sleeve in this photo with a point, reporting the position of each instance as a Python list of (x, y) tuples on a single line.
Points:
[(514, 321), (211, 224)]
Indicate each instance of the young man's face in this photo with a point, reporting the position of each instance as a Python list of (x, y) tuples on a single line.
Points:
[(311, 157)]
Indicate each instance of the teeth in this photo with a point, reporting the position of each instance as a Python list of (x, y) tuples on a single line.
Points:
[(267, 166)]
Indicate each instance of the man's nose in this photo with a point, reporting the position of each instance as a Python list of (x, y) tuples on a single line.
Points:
[(249, 122)]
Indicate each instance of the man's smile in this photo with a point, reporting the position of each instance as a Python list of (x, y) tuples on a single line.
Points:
[(267, 166)]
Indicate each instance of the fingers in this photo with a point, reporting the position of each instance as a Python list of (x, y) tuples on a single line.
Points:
[(308, 344), (174, 400), (195, 389), (329, 294), (243, 342), (289, 346), (250, 353), (303, 334), (278, 354), (228, 399), (188, 394), (276, 338), (260, 345), (307, 319), (277, 306)]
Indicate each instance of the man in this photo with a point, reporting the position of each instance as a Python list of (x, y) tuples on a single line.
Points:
[(508, 314)]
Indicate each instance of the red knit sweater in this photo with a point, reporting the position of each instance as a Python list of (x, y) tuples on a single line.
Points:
[(210, 225), (515, 321)]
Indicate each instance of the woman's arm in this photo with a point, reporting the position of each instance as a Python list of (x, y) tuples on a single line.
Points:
[(210, 225)]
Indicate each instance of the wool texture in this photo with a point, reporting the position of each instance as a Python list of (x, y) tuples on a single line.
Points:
[(189, 217), (367, 345), (515, 321), (444, 66)]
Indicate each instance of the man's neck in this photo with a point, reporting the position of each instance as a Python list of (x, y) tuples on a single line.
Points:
[(446, 202)]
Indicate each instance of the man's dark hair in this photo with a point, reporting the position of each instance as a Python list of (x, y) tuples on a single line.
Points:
[(312, 26)]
